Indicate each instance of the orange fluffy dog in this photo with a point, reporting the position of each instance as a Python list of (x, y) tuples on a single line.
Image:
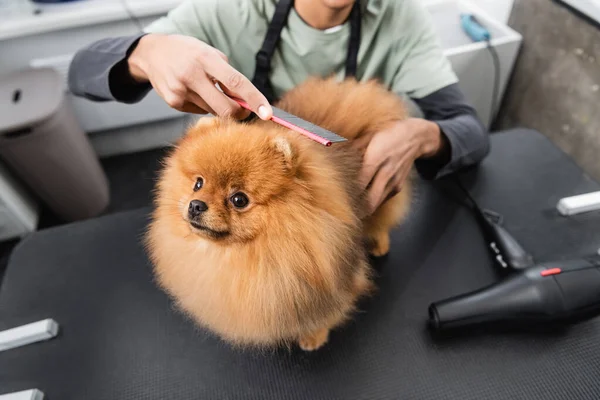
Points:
[(257, 233)]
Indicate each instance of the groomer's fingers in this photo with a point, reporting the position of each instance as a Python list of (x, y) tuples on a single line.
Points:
[(236, 84), (231, 94), (381, 186), (180, 99), (396, 183), (369, 168), (394, 191), (192, 108), (222, 55), (196, 101), (222, 105), (367, 173), (375, 195), (176, 98)]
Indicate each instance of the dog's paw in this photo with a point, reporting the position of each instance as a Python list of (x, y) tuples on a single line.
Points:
[(314, 341), (380, 245)]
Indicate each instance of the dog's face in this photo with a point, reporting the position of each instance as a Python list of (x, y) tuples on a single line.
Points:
[(225, 178)]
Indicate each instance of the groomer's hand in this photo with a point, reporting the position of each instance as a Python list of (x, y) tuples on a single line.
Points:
[(184, 70), (389, 156)]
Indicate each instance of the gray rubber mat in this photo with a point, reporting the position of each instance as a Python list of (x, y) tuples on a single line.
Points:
[(121, 339)]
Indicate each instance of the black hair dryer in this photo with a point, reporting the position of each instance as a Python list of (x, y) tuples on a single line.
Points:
[(552, 292), (556, 292)]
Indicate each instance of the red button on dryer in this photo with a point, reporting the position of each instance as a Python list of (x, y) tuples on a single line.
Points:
[(551, 271)]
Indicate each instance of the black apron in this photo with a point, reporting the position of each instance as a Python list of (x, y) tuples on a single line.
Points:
[(263, 57)]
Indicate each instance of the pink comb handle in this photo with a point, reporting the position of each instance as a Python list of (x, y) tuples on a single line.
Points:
[(291, 126)]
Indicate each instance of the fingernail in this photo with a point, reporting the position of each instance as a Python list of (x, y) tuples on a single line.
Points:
[(262, 112)]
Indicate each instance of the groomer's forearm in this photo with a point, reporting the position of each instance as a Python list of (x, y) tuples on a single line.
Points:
[(467, 142), (429, 138), (136, 62), (464, 138)]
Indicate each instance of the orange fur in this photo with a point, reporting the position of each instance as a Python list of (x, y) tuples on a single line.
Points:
[(291, 265)]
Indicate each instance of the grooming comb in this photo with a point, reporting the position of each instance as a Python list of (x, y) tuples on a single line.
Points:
[(312, 131)]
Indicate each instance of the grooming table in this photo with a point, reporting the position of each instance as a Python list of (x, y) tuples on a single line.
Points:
[(121, 338)]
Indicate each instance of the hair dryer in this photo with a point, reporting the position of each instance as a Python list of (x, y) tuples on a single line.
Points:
[(549, 292)]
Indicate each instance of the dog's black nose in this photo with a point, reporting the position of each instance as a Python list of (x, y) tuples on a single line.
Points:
[(196, 207)]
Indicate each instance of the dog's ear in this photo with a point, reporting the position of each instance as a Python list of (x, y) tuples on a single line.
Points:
[(284, 150)]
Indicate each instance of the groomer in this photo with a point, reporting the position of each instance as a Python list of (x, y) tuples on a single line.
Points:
[(259, 49)]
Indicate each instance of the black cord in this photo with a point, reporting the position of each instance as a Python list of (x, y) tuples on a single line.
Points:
[(474, 206), (496, 64), (131, 15)]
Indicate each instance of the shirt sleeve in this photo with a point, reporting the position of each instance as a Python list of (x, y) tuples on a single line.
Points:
[(99, 71), (466, 137)]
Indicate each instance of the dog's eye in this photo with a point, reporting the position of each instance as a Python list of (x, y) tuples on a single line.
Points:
[(198, 185), (239, 200)]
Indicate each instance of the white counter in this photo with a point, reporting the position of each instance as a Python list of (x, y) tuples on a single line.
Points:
[(20, 20), (51, 37)]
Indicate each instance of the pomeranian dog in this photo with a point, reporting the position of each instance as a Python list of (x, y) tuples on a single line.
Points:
[(258, 232)]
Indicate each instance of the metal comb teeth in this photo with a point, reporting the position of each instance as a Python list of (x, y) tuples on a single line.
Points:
[(317, 133), (308, 129)]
